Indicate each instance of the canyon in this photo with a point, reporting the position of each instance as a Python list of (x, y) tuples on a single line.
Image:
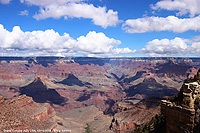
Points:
[(110, 94)]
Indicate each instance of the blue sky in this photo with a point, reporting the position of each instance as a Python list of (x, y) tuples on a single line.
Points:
[(100, 28)]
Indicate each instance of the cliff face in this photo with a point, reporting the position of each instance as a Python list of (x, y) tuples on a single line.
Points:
[(20, 113), (182, 115), (178, 119)]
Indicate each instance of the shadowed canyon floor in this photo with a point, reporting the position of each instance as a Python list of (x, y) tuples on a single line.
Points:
[(111, 94)]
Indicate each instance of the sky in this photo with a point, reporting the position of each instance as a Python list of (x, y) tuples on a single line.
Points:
[(100, 28)]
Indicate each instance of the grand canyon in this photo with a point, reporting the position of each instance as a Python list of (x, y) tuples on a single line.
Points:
[(71, 93)]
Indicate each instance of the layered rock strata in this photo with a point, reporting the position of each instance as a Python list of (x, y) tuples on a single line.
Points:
[(178, 119), (22, 113), (181, 115)]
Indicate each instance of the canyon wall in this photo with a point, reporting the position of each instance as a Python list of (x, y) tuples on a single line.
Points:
[(182, 112), (22, 113), (178, 119)]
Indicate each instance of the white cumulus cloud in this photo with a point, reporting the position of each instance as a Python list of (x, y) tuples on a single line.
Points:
[(174, 47), (49, 42), (37, 42), (100, 16), (101, 45), (182, 6), (166, 47), (170, 23), (97, 43)]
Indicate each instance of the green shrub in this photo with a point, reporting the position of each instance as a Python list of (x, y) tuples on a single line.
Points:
[(87, 128)]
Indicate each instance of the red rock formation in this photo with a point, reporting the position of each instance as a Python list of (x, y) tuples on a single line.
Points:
[(182, 112), (44, 114), (122, 106), (20, 113), (140, 114)]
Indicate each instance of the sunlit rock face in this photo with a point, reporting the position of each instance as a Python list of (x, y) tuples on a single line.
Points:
[(182, 112), (21, 112), (190, 93)]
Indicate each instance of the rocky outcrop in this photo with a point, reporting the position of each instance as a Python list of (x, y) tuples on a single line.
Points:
[(20, 113), (122, 106), (178, 119), (138, 115), (44, 114), (190, 93), (181, 113)]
